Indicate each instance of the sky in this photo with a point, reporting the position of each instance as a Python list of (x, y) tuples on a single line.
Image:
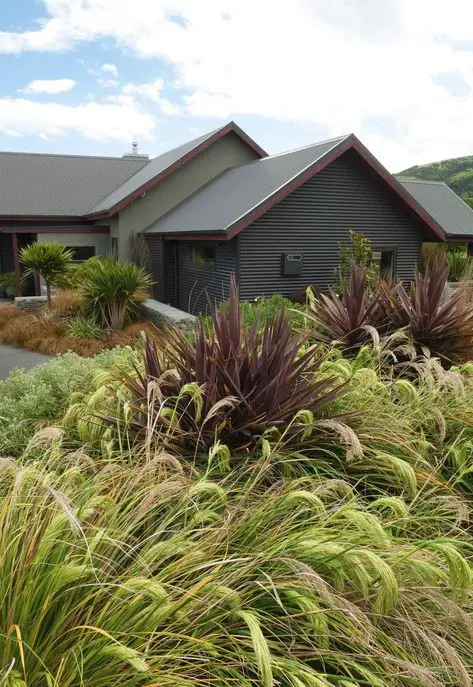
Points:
[(90, 76)]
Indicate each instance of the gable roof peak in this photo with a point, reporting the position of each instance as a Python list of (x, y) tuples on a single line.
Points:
[(335, 140), (165, 164)]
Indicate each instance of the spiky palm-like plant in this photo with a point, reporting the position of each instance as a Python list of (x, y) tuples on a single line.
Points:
[(353, 318), (233, 383), (438, 321), (49, 260), (112, 290)]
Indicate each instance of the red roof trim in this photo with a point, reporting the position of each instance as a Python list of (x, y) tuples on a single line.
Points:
[(211, 236), (228, 128), (41, 218), (467, 238), (349, 143), (93, 229)]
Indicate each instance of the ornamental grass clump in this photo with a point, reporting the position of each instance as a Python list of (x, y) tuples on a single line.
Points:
[(143, 574), (232, 384)]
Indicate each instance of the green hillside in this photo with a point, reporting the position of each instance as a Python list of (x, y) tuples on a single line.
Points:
[(457, 173)]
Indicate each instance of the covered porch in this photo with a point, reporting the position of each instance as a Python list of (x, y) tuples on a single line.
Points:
[(85, 240), (11, 244)]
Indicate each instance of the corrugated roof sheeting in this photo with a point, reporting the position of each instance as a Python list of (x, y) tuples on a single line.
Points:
[(443, 205), (36, 184), (237, 191)]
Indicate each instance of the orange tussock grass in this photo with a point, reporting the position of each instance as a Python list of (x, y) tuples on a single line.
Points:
[(44, 333), (66, 303)]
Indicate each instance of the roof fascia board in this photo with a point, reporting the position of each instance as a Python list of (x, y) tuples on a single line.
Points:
[(211, 236), (42, 218), (99, 229)]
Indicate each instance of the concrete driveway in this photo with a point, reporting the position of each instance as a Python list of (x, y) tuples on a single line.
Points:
[(11, 357)]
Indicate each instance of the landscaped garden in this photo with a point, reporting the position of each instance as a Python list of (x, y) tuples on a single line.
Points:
[(90, 306), (282, 499)]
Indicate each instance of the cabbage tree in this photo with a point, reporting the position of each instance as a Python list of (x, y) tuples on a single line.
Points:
[(49, 260)]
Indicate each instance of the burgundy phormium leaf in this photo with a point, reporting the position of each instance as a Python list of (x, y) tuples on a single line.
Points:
[(251, 380), (438, 320), (347, 319)]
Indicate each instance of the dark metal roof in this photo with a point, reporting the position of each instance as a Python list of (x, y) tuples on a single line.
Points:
[(152, 169), (447, 209), (72, 185), (33, 184), (237, 191)]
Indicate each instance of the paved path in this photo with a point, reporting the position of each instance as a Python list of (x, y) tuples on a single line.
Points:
[(11, 357)]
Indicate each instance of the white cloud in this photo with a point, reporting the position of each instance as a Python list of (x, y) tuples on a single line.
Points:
[(110, 68), (50, 86), (102, 122), (106, 75), (133, 93), (150, 91), (336, 67), (107, 83)]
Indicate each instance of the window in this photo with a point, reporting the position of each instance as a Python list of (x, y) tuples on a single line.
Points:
[(386, 260), (204, 254), (114, 246), (81, 253)]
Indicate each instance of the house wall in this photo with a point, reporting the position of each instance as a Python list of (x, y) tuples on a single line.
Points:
[(156, 254), (196, 282), (314, 219), (100, 241), (229, 151)]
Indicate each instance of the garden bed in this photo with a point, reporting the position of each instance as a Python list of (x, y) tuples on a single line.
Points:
[(46, 331)]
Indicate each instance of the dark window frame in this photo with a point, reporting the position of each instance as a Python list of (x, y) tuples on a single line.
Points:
[(114, 246), (204, 262), (388, 249), (78, 248)]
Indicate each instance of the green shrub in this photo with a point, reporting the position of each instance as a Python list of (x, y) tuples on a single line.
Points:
[(85, 327), (42, 394), (8, 283), (360, 252), (457, 262), (49, 260), (264, 308), (112, 291)]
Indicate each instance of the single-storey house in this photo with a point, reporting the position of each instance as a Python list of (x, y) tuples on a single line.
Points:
[(220, 204)]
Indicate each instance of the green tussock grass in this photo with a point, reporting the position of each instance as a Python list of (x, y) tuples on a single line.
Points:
[(332, 550), (155, 575)]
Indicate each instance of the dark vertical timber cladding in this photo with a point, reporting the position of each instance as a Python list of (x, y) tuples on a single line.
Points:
[(155, 247), (314, 219), (197, 282), (170, 275)]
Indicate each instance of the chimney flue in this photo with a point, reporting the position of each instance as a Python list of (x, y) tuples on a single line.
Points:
[(134, 154)]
